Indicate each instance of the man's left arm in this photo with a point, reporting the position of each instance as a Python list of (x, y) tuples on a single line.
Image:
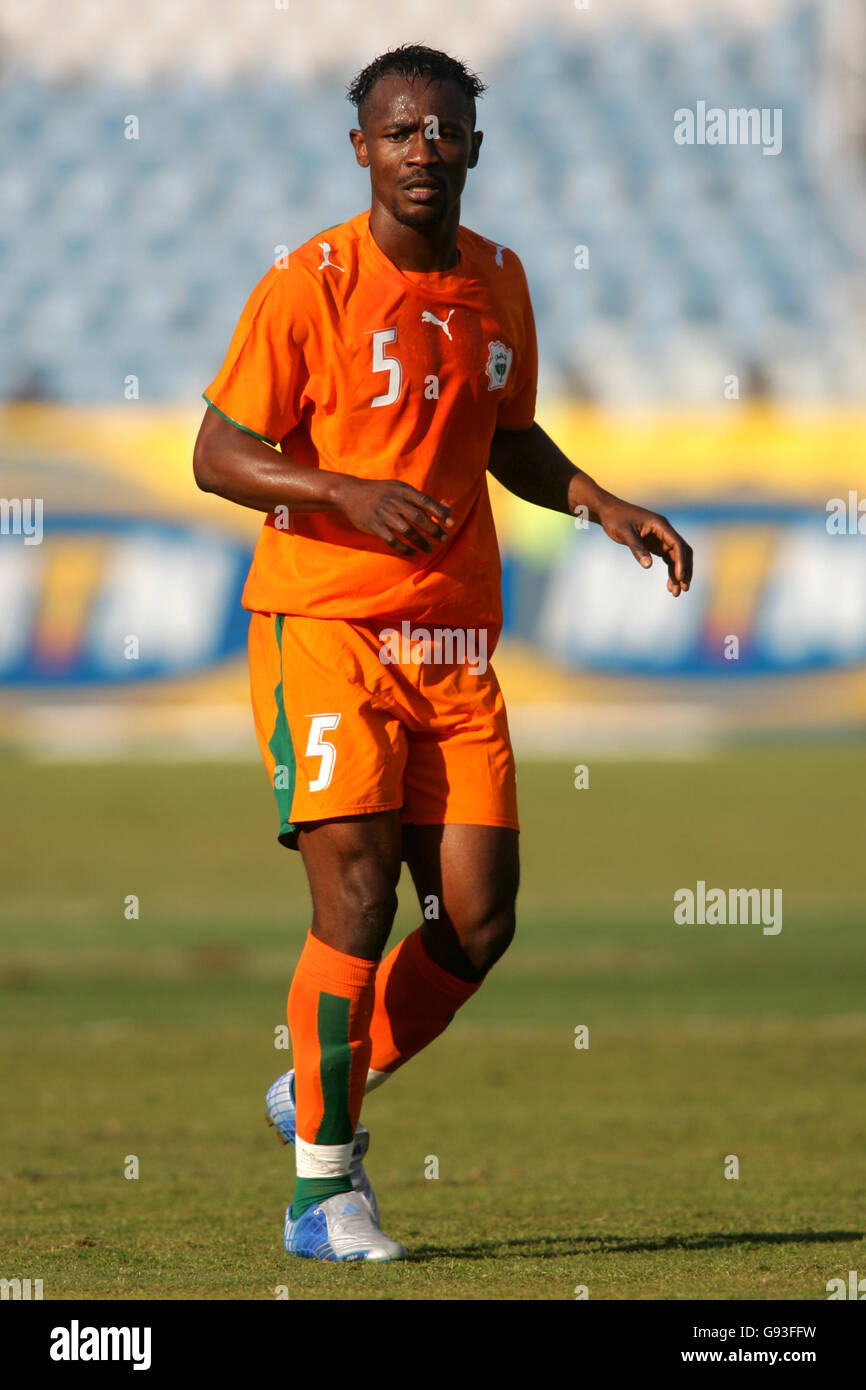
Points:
[(529, 464)]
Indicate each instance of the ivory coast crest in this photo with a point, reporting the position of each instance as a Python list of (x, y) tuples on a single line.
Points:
[(498, 366)]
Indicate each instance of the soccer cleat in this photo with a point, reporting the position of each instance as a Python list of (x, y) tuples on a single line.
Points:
[(280, 1108), (340, 1228)]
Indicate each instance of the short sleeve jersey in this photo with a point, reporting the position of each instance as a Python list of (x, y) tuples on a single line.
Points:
[(355, 366)]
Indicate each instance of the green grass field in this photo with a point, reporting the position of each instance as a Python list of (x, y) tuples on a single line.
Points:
[(558, 1167)]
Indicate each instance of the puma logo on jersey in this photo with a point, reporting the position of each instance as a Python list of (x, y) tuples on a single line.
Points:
[(326, 251), (499, 250), (428, 317)]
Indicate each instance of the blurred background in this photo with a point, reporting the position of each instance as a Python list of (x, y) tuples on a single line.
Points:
[(701, 313)]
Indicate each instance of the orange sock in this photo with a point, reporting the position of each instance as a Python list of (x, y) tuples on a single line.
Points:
[(329, 1009), (415, 1001)]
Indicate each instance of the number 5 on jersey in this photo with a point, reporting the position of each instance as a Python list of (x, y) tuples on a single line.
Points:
[(320, 747), (392, 365)]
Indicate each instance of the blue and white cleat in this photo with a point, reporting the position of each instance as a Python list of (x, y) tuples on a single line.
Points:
[(280, 1108), (340, 1228)]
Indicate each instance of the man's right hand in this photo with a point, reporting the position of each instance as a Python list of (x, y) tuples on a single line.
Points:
[(405, 519)]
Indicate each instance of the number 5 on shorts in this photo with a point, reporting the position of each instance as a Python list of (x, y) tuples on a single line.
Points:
[(319, 746)]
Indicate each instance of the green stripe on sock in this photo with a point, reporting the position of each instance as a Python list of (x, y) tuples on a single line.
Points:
[(332, 1026), (309, 1192), (281, 746), (333, 1029)]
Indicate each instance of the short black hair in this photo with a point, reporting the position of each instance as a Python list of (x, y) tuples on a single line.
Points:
[(413, 60)]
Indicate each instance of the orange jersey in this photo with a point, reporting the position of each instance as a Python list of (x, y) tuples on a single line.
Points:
[(355, 366)]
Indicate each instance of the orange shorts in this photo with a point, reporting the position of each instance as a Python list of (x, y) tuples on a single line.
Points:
[(360, 717)]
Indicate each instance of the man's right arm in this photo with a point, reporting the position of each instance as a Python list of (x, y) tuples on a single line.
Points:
[(241, 468)]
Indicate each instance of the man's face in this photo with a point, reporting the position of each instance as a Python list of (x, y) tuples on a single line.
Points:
[(418, 142)]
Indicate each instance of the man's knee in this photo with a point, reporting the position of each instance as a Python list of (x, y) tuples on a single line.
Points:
[(353, 881), (369, 893), (482, 915), (487, 937)]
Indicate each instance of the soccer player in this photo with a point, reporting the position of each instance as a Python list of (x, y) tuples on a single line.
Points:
[(370, 384)]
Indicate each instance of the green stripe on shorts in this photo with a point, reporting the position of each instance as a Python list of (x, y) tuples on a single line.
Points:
[(281, 747)]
